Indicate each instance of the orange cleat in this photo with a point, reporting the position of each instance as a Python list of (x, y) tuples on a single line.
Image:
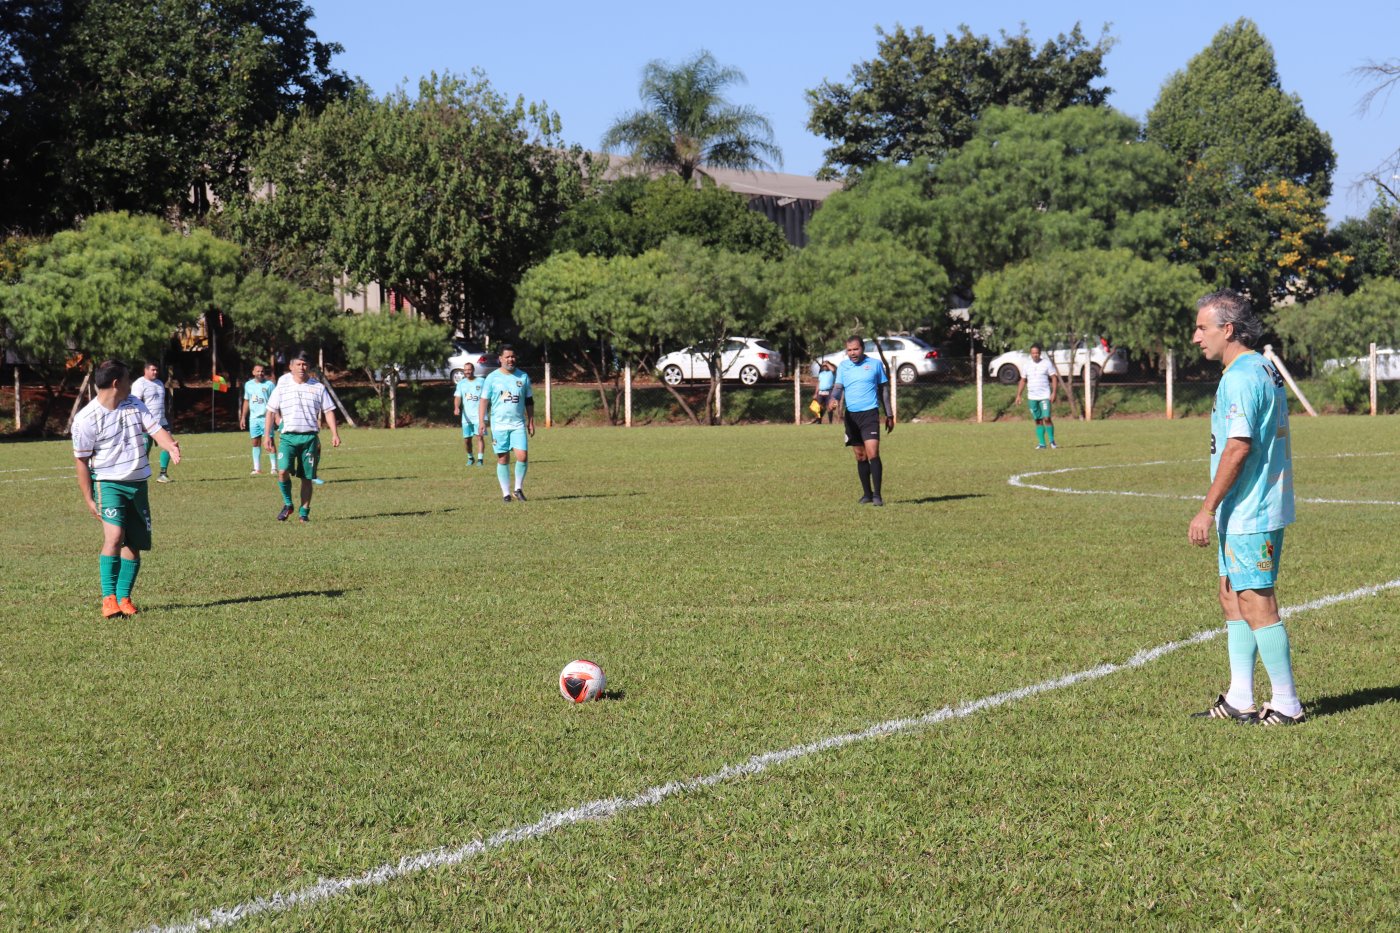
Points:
[(110, 609), (127, 607)]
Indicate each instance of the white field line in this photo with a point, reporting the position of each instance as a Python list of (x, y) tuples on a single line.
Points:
[(1020, 480), (608, 807)]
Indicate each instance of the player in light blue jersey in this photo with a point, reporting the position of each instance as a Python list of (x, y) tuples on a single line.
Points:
[(466, 401), (252, 414), (508, 404), (1250, 502), (864, 385)]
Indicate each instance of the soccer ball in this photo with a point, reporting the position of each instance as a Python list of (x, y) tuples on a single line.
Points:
[(581, 681)]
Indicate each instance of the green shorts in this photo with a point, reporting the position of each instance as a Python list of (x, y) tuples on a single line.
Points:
[(1250, 561), (1040, 408), (126, 506), (298, 454)]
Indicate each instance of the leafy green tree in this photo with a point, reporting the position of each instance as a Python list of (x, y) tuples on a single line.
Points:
[(632, 215), (378, 344), (562, 301), (869, 287), (1253, 171), (1336, 325), (1370, 245), (1029, 184), (686, 123), (116, 288), (887, 201), (111, 105), (446, 197), (1144, 306), (268, 312), (919, 99)]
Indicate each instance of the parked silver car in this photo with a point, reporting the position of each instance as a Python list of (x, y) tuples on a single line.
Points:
[(909, 357), (747, 359)]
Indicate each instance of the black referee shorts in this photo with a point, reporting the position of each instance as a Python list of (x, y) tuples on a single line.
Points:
[(862, 426)]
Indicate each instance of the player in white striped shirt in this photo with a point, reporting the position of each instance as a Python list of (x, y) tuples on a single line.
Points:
[(109, 446), (297, 405)]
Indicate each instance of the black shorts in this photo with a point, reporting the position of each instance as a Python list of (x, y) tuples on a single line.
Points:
[(862, 426)]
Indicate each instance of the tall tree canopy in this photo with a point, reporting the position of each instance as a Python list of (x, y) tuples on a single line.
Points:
[(111, 105), (635, 214), (686, 123), (917, 98), (1337, 325), (445, 197)]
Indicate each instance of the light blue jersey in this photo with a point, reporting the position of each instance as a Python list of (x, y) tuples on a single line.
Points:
[(507, 393), (825, 380), (256, 394), (1251, 403), (861, 382), (469, 391)]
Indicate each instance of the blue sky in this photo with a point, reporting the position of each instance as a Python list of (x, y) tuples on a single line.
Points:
[(585, 59)]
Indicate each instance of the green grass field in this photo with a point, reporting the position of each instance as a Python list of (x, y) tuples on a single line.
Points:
[(311, 702)]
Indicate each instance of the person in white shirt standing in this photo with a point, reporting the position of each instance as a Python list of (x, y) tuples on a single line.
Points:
[(109, 446), (297, 404), (151, 391), (1040, 382)]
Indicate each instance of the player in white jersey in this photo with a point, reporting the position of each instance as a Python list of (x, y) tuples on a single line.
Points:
[(151, 391), (109, 446), (1249, 503), (297, 404), (1040, 382)]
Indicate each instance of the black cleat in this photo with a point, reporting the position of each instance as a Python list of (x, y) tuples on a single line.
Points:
[(866, 499), (1268, 716), (520, 495), (506, 500), (876, 500), (285, 514), (1222, 710)]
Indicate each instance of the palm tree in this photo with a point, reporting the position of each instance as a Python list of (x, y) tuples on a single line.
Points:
[(687, 123)]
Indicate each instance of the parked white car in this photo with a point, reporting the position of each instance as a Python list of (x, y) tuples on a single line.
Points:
[(747, 359), (1387, 364), (1010, 367), (483, 362), (909, 357)]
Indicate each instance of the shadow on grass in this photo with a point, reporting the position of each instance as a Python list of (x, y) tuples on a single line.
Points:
[(930, 500), (240, 600), (613, 693), (365, 479), (415, 514), (1345, 702), (589, 495)]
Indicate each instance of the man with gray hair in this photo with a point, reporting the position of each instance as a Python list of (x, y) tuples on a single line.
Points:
[(1250, 502)]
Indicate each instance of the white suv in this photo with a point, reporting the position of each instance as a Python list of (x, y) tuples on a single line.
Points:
[(1009, 368), (747, 359), (909, 357)]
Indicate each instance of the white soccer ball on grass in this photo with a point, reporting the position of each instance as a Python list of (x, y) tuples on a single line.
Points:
[(581, 681)]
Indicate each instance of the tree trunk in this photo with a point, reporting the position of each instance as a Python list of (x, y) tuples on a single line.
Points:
[(602, 389), (690, 412)]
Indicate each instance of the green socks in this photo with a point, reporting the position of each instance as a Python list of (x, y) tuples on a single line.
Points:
[(286, 487), (1050, 432), (1278, 661), (1040, 434), (1239, 640), (108, 568), (126, 577), (164, 461)]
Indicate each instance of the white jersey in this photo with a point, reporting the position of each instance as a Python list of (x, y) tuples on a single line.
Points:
[(1038, 379), (299, 405), (115, 439), (151, 392)]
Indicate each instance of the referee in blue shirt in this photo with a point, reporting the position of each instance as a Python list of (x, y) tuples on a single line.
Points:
[(863, 383)]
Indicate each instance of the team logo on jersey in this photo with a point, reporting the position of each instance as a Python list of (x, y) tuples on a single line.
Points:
[(1266, 556), (519, 383), (110, 512)]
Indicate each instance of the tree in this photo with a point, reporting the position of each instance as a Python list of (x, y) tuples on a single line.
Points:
[(382, 344), (268, 312), (868, 287), (110, 105), (1030, 184), (887, 201), (687, 124), (1253, 171), (1370, 245), (1337, 325), (918, 99), (632, 215), (116, 288), (1386, 74), (445, 198)]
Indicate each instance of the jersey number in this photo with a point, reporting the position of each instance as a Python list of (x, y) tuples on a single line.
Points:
[(1212, 444)]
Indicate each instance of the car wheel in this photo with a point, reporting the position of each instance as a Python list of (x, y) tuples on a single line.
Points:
[(749, 375), (907, 374), (1008, 375), (671, 375), (458, 375)]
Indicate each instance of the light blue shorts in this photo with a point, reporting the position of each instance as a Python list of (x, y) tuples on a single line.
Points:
[(469, 428), (1251, 561), (505, 439), (257, 426)]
